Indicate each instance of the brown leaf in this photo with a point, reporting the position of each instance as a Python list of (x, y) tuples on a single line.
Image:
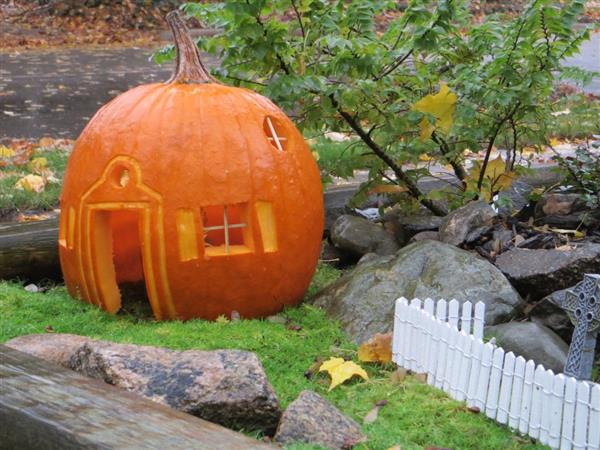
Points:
[(376, 349), (314, 368), (372, 415), (398, 376), (49, 329)]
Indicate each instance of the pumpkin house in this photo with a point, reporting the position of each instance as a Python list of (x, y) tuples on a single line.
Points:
[(206, 193)]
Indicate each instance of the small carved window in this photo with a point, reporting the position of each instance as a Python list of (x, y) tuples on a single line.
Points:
[(226, 230), (275, 133)]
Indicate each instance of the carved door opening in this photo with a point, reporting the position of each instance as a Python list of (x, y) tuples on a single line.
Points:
[(118, 259)]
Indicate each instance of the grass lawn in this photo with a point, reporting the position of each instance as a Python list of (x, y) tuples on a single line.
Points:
[(417, 416)]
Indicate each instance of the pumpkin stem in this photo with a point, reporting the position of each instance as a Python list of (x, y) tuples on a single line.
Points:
[(189, 67)]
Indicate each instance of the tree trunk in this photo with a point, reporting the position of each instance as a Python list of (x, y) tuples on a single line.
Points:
[(29, 251)]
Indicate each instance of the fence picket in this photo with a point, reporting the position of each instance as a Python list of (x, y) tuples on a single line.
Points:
[(442, 354), (441, 310), (477, 349), (546, 410), (516, 394), (594, 427), (556, 409), (566, 441), (397, 356), (465, 347), (478, 320), (452, 342), (429, 306), (415, 305), (425, 328), (453, 313), (484, 375), (465, 321), (582, 413), (434, 351), (422, 333), (405, 344), (537, 395), (491, 401), (525, 415), (508, 371)]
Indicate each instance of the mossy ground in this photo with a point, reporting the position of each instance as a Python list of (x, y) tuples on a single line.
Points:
[(416, 416)]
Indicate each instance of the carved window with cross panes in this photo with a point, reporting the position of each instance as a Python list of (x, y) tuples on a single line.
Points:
[(226, 229), (275, 133)]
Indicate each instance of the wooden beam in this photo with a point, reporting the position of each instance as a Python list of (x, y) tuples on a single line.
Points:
[(30, 250), (44, 406)]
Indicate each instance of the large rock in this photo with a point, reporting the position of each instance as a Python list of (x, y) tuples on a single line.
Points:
[(532, 341), (456, 226), (313, 420), (548, 313), (564, 211), (363, 300), (228, 387), (537, 273), (54, 347), (360, 236)]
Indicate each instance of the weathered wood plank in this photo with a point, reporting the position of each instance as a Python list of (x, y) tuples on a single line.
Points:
[(43, 406), (29, 250)]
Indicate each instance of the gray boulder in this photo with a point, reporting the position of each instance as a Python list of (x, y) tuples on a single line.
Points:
[(360, 236), (57, 348), (466, 220), (537, 273), (228, 387), (532, 341), (313, 420), (564, 211), (363, 300), (547, 313), (424, 235)]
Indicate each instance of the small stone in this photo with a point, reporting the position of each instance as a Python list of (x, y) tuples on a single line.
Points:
[(424, 235), (32, 288), (313, 420), (457, 225)]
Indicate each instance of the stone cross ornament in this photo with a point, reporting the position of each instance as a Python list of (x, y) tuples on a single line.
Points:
[(582, 304)]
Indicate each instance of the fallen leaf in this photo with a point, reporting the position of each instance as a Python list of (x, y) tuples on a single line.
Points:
[(222, 319), (399, 375), (372, 415), (376, 349), (6, 152), (387, 189), (37, 165), (441, 106), (49, 329), (31, 183), (46, 142), (420, 377), (340, 371), (395, 447), (314, 368)]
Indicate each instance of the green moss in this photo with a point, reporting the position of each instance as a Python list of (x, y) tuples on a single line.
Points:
[(416, 416)]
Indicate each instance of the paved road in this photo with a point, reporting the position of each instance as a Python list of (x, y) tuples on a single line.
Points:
[(55, 93)]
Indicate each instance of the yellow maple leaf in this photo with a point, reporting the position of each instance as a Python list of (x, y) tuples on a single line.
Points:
[(6, 152), (441, 106), (37, 165), (31, 183), (376, 349), (340, 370), (496, 175), (387, 189)]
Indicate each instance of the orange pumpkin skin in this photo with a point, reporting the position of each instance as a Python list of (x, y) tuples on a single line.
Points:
[(154, 167)]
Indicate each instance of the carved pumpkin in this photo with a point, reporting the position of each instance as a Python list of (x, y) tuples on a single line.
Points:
[(208, 193)]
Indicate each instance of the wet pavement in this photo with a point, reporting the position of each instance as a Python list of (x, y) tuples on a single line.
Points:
[(55, 93)]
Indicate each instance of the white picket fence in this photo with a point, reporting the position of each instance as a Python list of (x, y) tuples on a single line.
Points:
[(439, 339)]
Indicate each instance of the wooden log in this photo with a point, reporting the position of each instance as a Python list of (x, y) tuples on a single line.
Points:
[(30, 251), (44, 406)]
